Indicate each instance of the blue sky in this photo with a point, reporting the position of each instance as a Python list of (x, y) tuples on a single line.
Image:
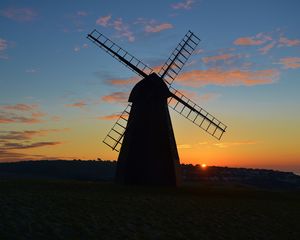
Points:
[(245, 71)]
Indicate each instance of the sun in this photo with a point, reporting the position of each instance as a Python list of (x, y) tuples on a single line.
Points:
[(203, 166)]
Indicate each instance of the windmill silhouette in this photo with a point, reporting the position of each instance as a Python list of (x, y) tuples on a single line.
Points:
[(143, 133)]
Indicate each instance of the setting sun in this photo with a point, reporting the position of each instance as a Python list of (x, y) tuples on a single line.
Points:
[(203, 166)]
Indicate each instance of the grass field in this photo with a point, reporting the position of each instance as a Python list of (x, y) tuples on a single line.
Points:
[(41, 209)]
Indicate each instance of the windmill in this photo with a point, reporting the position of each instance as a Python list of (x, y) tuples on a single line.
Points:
[(143, 134)]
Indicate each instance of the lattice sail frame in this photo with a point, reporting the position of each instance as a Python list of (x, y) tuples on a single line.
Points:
[(168, 73), (178, 57), (196, 114), (114, 137), (119, 53)]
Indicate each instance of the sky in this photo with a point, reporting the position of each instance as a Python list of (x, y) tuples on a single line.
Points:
[(60, 94)]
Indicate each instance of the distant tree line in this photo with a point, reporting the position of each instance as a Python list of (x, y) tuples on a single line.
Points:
[(100, 170)]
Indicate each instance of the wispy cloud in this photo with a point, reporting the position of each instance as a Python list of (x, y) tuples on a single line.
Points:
[(158, 27), (79, 104), (21, 113), (223, 57), (11, 141), (199, 78), (234, 144), (28, 134), (3, 47), (12, 118), (290, 62), (15, 146), (109, 117), (9, 156), (184, 146), (283, 41), (55, 118), (20, 107), (116, 97), (152, 25), (122, 29), (3, 44), (19, 14), (126, 81), (267, 48), (103, 21), (258, 39), (186, 4)]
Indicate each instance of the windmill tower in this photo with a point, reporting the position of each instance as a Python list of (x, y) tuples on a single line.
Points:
[(143, 134)]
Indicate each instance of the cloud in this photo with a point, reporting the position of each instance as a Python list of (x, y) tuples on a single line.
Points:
[(3, 44), (258, 39), (113, 116), (55, 118), (19, 14), (197, 78), (126, 81), (247, 41), (267, 48), (21, 113), (187, 4), (103, 21), (158, 28), (184, 146), (116, 97), (122, 29), (6, 156), (217, 58), (28, 134), (198, 51), (19, 140), (15, 146), (11, 156), (79, 104), (283, 41), (152, 26), (290, 62), (234, 144), (110, 117), (38, 114), (10, 118), (20, 107)]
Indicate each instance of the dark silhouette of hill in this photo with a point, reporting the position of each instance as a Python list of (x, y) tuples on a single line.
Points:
[(59, 169), (91, 170)]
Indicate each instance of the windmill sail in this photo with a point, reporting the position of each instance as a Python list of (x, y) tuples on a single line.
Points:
[(196, 114), (119, 53), (115, 136), (178, 58)]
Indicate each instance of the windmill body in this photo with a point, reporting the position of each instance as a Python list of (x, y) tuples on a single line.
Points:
[(149, 154), (143, 133)]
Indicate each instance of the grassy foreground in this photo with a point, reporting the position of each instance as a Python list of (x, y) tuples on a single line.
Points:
[(44, 209)]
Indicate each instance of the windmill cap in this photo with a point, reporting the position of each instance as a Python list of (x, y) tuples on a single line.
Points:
[(150, 88)]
